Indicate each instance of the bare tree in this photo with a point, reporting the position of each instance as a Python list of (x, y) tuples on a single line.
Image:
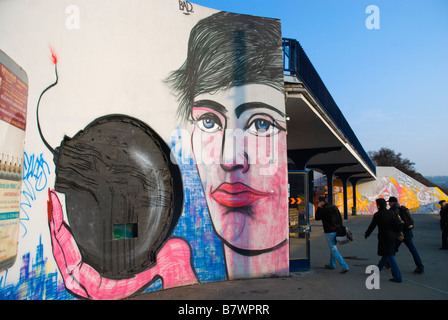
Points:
[(389, 158)]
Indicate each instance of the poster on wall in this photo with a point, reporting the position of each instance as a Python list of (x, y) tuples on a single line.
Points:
[(13, 107)]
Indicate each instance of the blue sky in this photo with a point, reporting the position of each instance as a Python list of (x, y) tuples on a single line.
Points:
[(390, 83)]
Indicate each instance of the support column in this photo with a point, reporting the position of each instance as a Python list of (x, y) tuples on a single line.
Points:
[(329, 170), (354, 181), (344, 176)]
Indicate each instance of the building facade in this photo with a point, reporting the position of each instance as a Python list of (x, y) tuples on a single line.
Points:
[(155, 148)]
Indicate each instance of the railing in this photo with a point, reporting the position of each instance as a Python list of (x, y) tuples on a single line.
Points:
[(297, 63)]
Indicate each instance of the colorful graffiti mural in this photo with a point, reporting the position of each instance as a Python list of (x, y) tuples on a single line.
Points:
[(390, 182), (37, 280), (409, 192), (142, 198)]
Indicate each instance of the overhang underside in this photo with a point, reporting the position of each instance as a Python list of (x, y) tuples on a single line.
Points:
[(315, 142)]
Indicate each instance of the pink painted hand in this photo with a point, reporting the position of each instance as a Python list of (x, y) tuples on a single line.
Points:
[(173, 263)]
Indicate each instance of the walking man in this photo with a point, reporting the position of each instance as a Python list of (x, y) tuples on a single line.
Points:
[(407, 234), (388, 226), (331, 220), (444, 223)]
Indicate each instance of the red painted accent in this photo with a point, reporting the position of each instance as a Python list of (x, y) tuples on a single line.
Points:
[(236, 195), (54, 57)]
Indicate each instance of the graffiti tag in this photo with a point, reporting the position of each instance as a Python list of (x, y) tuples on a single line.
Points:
[(35, 172), (186, 7), (36, 168)]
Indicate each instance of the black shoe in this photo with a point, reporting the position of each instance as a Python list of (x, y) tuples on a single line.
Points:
[(418, 270), (393, 280)]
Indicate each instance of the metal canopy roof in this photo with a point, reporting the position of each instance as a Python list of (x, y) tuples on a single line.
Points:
[(319, 137)]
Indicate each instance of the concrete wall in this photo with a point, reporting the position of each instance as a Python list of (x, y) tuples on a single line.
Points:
[(409, 192), (158, 157)]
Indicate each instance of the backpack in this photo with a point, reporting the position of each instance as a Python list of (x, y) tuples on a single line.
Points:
[(407, 219)]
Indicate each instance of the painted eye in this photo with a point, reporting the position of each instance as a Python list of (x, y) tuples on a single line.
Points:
[(209, 123), (262, 124), (262, 127)]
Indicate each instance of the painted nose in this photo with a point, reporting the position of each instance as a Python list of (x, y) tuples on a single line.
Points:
[(229, 167), (233, 155)]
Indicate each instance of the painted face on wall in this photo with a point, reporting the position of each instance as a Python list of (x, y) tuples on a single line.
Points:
[(239, 140)]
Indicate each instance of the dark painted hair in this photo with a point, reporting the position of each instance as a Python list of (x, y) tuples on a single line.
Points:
[(227, 50)]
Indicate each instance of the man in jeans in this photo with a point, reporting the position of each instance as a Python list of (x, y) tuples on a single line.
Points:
[(408, 235), (444, 223), (331, 220)]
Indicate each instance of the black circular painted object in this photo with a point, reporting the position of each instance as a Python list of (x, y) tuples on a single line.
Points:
[(116, 175)]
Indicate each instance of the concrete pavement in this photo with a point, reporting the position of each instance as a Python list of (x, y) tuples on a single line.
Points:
[(321, 283)]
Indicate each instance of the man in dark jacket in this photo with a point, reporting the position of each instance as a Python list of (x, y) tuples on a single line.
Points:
[(388, 227), (444, 223), (408, 235), (331, 220)]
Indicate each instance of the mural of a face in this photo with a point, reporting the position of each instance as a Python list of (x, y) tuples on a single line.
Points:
[(115, 173), (238, 142), (122, 217), (231, 88)]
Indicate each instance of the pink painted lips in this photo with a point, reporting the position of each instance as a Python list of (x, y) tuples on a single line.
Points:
[(236, 195)]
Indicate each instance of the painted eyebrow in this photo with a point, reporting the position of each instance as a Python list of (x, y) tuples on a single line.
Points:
[(210, 104), (255, 105)]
